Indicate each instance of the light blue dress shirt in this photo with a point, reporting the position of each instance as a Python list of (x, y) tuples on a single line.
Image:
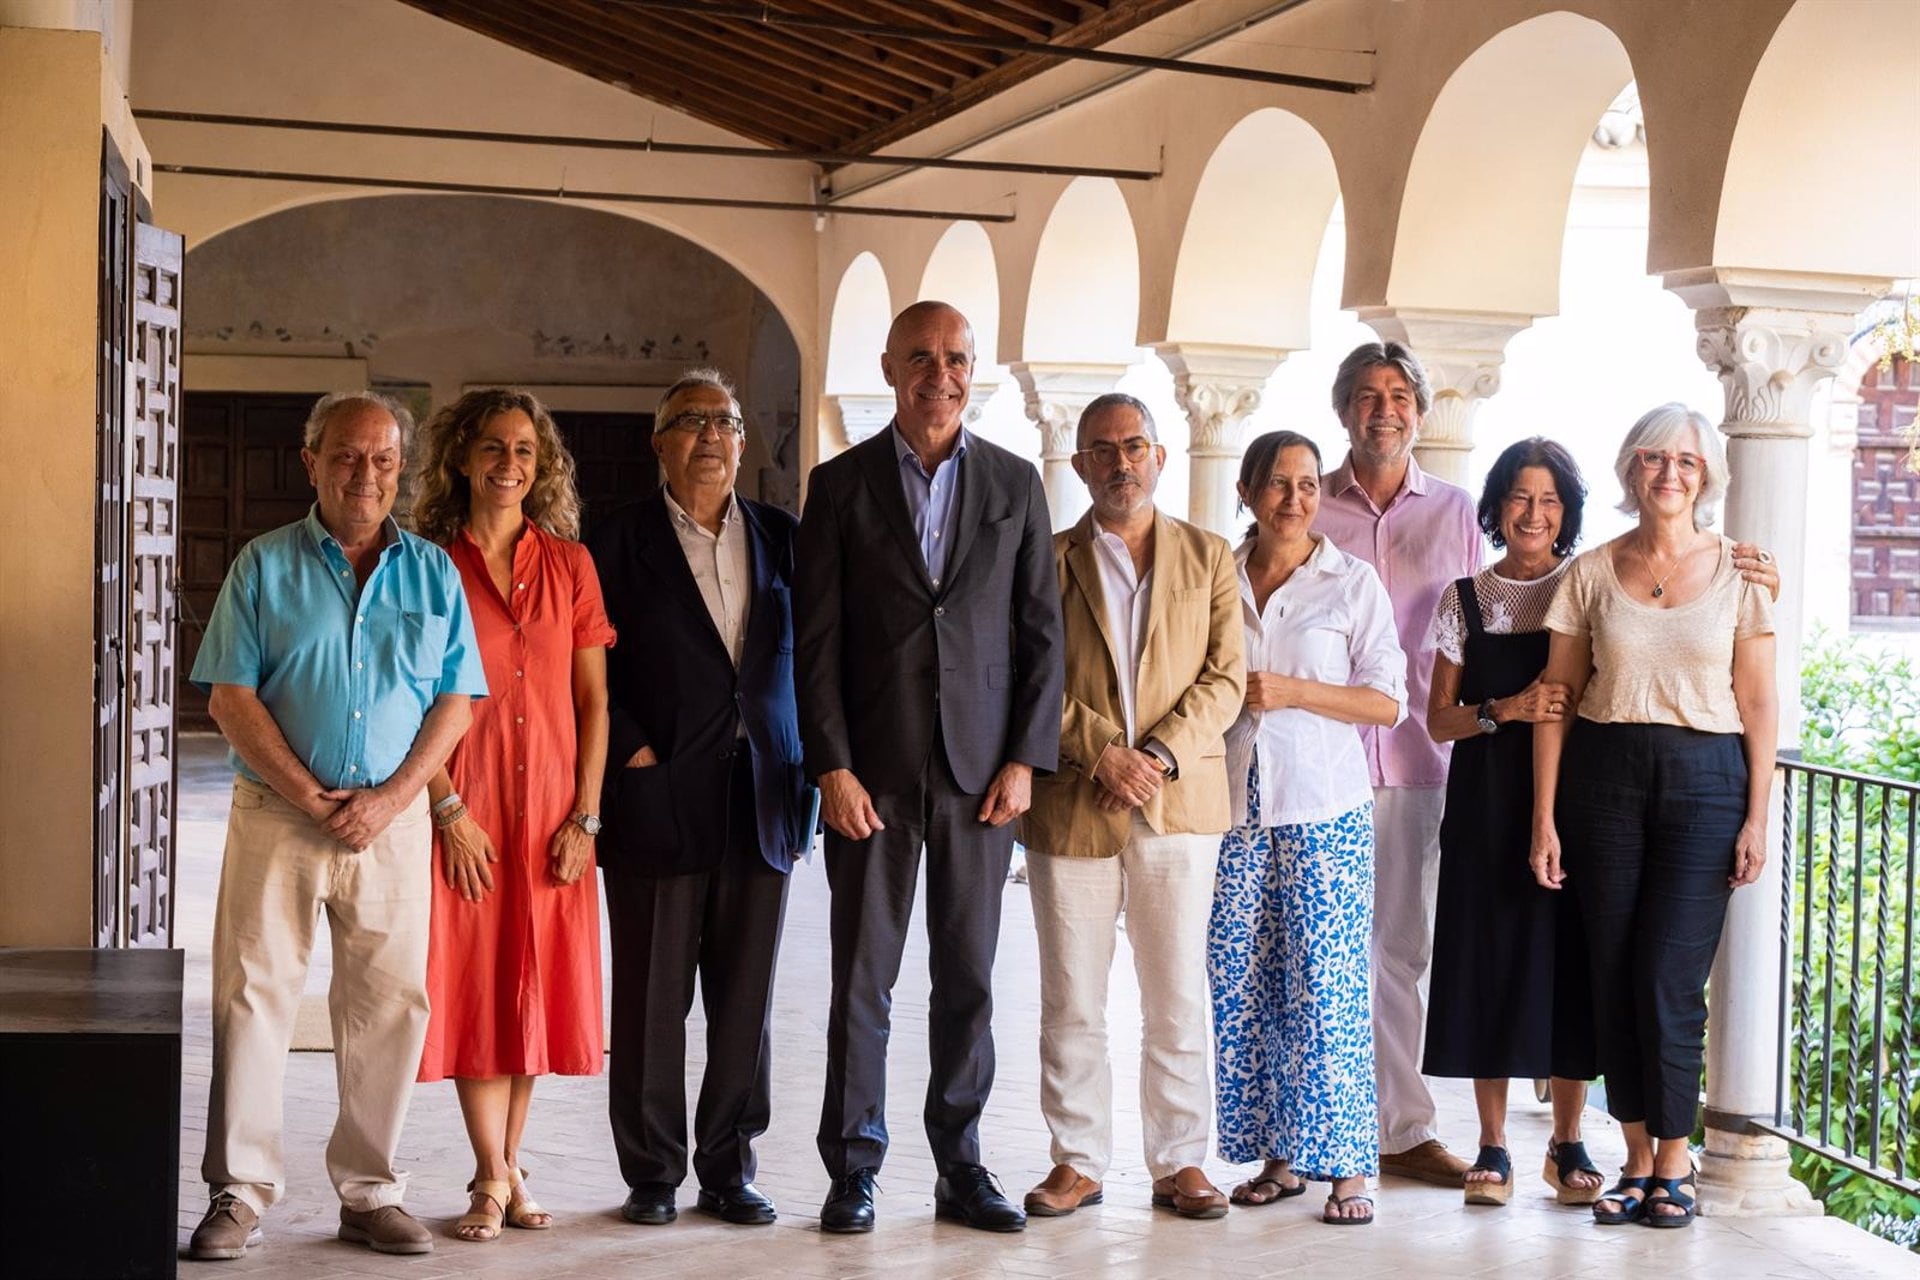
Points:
[(933, 501), (347, 676)]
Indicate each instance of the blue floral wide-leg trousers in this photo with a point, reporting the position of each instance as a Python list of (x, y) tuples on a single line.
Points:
[(1287, 954)]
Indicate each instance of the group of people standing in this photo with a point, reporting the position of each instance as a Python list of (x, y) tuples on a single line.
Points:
[(444, 739)]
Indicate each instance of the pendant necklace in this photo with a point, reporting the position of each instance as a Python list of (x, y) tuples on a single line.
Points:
[(1660, 583)]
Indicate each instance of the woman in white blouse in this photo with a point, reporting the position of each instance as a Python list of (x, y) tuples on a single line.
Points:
[(1659, 788), (1288, 944)]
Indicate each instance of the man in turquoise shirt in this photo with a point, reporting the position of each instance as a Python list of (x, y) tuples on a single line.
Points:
[(339, 661)]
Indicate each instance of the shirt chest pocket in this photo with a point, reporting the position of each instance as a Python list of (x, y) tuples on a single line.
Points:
[(410, 643), (1312, 642)]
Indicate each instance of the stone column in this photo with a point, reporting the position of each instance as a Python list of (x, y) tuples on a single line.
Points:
[(978, 393), (1773, 337), (1219, 387), (1056, 394), (1462, 352), (863, 416)]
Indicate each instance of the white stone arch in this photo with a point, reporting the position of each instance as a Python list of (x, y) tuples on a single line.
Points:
[(1083, 299), (1244, 273), (1820, 174), (856, 337), (962, 271), (1483, 214)]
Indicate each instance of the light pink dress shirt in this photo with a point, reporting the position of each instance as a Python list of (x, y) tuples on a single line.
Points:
[(1428, 536)]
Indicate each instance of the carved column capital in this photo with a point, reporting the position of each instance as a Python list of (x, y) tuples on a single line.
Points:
[(863, 416), (979, 391), (1770, 362), (1219, 386), (1056, 394), (1462, 352)]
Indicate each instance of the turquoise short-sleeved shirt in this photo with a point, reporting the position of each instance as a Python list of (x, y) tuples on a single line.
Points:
[(347, 677)]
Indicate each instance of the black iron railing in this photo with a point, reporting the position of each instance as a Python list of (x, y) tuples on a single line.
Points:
[(1850, 1063)]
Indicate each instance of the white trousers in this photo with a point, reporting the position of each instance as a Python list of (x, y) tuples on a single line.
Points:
[(280, 871), (1406, 824), (1164, 885)]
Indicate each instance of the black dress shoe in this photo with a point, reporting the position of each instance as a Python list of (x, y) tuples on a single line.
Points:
[(650, 1205), (745, 1205), (968, 1193), (849, 1204)]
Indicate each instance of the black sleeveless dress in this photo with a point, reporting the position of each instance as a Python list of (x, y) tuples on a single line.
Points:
[(1508, 994)]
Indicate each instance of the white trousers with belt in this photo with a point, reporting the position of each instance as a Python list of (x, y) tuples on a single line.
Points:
[(1406, 877)]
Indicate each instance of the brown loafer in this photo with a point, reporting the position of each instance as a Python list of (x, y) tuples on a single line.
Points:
[(1428, 1162), (224, 1234), (1189, 1194), (1064, 1190), (388, 1229)]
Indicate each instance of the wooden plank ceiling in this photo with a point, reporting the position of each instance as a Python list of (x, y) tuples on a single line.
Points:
[(801, 87)]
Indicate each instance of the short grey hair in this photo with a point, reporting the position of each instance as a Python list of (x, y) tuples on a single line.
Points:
[(690, 380), (1662, 428), (1381, 355), (339, 404), (1116, 400)]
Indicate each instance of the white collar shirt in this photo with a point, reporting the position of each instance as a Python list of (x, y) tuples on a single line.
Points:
[(1330, 622), (721, 569), (1127, 599)]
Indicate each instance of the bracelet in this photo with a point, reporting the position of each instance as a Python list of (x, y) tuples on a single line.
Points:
[(441, 821), (446, 802)]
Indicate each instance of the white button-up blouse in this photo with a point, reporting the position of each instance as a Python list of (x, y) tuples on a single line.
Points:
[(1330, 622)]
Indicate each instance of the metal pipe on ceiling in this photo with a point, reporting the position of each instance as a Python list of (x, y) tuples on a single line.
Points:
[(561, 193), (643, 145), (766, 15)]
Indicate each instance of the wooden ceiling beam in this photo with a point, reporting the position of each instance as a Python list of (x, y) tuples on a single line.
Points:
[(889, 94), (973, 60)]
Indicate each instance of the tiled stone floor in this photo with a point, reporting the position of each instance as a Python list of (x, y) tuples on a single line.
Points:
[(1420, 1231)]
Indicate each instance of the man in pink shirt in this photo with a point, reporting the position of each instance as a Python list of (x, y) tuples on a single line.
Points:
[(1419, 533)]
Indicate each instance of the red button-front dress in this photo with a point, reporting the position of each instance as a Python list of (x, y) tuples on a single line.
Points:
[(514, 979)]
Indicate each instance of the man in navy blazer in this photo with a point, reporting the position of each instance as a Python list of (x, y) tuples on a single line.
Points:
[(707, 805), (928, 633)]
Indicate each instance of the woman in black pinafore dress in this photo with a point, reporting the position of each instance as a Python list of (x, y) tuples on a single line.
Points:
[(1509, 990)]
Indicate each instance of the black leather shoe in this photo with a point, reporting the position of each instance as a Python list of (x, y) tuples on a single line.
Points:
[(968, 1193), (650, 1205), (744, 1206), (849, 1204)]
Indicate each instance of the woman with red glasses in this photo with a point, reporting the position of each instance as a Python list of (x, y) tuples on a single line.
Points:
[(1651, 804)]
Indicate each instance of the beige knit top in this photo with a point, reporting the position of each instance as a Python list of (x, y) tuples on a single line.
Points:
[(1660, 666)]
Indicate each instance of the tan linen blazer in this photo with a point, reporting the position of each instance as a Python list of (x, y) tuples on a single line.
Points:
[(1191, 683)]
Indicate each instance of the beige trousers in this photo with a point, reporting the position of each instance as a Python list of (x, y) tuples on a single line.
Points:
[(1164, 886), (1406, 877), (280, 871)]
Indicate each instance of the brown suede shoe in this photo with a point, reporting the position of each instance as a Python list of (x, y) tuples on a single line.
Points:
[(1428, 1162), (224, 1234), (1189, 1194), (1064, 1190), (388, 1229)]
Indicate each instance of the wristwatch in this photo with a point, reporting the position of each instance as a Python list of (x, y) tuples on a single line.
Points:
[(587, 822), (1485, 716)]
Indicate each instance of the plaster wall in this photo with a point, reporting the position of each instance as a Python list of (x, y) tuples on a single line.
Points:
[(448, 292), (52, 83)]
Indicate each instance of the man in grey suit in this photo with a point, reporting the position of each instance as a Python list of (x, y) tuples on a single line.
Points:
[(929, 659)]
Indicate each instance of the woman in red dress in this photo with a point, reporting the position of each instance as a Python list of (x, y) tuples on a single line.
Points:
[(513, 973)]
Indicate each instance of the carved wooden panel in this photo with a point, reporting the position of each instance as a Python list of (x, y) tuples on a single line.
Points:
[(110, 548), (154, 511), (1886, 501)]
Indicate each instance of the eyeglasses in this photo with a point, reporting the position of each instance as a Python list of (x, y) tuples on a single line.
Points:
[(1654, 461), (1134, 449), (696, 424)]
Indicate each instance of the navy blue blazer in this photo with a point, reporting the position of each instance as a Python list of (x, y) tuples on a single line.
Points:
[(672, 685)]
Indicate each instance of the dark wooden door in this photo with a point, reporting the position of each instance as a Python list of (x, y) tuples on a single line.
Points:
[(242, 477), (153, 483), (613, 459), (1886, 500), (110, 536)]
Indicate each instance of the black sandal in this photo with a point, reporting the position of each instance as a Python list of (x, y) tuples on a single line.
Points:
[(1565, 1159), (1674, 1196), (1281, 1191), (1633, 1205), (1484, 1191), (1341, 1202)]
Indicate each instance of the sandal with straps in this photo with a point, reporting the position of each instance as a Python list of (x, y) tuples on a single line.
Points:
[(1245, 1193), (1632, 1205), (481, 1223), (1564, 1159), (1486, 1190), (523, 1211), (1649, 1214)]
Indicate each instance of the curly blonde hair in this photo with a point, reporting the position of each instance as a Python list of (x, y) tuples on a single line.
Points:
[(440, 511)]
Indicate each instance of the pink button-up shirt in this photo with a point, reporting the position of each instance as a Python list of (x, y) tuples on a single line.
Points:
[(1428, 536)]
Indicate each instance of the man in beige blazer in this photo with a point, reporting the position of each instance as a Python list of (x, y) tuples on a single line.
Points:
[(1133, 818)]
